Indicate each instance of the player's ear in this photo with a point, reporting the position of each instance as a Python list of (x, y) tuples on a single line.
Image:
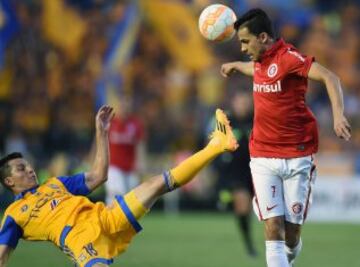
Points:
[(8, 181), (263, 37)]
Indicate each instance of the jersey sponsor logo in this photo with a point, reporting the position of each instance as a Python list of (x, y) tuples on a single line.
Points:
[(272, 70), (267, 88), (296, 54), (42, 200), (297, 208), (270, 208)]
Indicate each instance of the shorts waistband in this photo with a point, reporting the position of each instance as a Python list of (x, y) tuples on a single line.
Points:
[(65, 231)]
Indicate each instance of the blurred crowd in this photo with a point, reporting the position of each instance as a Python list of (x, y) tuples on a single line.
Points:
[(47, 98)]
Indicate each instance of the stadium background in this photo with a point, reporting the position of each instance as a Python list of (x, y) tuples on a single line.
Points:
[(60, 60)]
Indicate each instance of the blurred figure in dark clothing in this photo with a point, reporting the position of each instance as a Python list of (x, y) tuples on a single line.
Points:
[(233, 168)]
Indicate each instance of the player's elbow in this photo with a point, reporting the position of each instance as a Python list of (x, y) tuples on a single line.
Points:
[(100, 176), (331, 77), (104, 179)]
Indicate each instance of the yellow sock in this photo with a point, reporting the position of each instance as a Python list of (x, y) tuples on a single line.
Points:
[(187, 169), (135, 206)]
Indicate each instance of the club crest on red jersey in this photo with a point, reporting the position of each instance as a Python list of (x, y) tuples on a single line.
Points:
[(297, 208), (272, 70)]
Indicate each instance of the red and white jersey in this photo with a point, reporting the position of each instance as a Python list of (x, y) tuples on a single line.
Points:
[(124, 136), (284, 127)]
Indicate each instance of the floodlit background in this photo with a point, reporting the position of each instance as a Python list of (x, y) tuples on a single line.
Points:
[(60, 60)]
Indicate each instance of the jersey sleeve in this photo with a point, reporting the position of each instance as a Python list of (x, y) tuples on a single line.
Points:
[(10, 232), (296, 63), (75, 184)]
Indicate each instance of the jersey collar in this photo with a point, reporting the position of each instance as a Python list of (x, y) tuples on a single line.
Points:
[(279, 43), (22, 194)]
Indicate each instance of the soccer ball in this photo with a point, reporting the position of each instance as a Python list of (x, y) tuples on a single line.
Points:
[(216, 23)]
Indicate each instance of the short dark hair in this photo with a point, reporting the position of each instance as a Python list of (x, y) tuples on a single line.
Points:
[(257, 21), (5, 168)]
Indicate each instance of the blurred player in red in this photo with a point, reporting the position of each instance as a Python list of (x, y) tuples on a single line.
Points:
[(285, 135), (126, 151)]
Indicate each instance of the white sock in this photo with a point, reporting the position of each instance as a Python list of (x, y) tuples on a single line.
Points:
[(292, 253), (275, 254)]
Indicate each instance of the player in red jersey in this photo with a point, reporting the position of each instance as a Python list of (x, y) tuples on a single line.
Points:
[(127, 148), (284, 136)]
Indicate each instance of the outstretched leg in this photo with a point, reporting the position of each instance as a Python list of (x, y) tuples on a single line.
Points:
[(221, 140), (128, 209)]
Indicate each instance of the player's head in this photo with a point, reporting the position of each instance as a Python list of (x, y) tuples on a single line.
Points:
[(16, 173), (254, 30), (240, 104), (124, 106)]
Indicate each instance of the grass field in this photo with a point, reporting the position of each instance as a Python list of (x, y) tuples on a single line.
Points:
[(207, 240)]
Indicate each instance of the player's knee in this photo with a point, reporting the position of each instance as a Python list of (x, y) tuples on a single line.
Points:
[(100, 265), (242, 202), (292, 234), (274, 228), (291, 243)]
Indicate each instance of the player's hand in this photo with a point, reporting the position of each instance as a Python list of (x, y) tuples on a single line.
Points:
[(227, 69), (342, 127), (104, 117)]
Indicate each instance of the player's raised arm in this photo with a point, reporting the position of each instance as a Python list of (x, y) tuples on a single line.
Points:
[(246, 68), (98, 172), (332, 82), (5, 252)]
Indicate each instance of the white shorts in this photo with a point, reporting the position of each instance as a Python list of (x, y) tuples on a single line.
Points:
[(119, 183), (283, 187)]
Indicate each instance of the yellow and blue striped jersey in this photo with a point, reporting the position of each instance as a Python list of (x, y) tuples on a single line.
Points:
[(42, 212)]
